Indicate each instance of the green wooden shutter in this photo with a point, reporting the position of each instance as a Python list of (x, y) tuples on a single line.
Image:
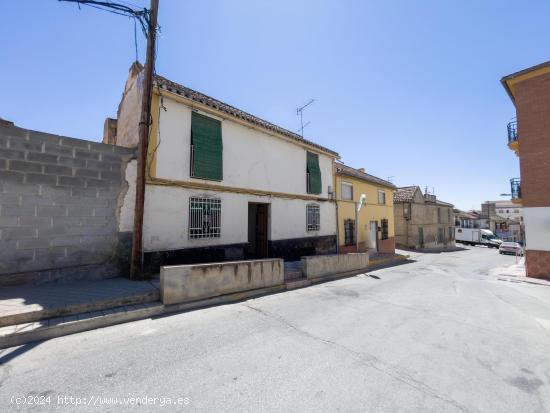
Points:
[(206, 138), (314, 172)]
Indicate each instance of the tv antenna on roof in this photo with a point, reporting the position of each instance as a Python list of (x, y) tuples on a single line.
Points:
[(300, 112)]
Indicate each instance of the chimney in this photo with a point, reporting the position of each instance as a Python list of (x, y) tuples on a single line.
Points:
[(5, 122), (361, 170), (109, 131)]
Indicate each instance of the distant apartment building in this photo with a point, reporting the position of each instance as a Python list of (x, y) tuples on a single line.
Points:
[(507, 221), (372, 227), (529, 138), (421, 220)]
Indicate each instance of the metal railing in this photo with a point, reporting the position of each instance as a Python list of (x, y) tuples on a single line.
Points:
[(513, 131), (515, 187)]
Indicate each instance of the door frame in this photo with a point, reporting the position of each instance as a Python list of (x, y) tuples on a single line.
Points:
[(262, 232)]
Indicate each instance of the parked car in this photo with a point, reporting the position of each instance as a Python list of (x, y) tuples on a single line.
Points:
[(510, 248)]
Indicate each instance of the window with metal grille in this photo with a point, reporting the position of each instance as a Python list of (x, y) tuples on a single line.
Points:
[(381, 197), (313, 217), (349, 231), (347, 191), (384, 225), (204, 218)]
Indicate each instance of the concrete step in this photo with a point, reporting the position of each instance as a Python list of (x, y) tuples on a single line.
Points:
[(19, 334), (300, 283)]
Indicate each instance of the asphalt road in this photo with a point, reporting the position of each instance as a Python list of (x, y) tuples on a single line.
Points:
[(441, 334)]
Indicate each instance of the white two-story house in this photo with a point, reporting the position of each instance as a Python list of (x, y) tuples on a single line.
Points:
[(223, 184)]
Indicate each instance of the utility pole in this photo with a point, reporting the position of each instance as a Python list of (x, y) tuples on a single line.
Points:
[(136, 268)]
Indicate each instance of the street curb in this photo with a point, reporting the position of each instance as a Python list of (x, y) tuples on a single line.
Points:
[(37, 331), (74, 309), (70, 324), (58, 326), (388, 261), (223, 299)]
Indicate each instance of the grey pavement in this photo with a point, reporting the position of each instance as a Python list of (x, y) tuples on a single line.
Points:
[(30, 298), (441, 334)]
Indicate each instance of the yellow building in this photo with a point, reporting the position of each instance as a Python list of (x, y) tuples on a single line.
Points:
[(372, 228)]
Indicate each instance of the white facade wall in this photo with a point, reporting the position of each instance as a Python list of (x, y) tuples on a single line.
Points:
[(166, 220), (537, 228), (251, 159)]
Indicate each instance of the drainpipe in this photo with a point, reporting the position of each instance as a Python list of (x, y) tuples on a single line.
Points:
[(358, 206), (337, 229)]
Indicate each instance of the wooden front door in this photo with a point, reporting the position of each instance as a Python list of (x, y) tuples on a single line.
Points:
[(258, 230), (261, 230)]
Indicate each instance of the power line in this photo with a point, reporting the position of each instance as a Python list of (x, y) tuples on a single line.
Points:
[(142, 15)]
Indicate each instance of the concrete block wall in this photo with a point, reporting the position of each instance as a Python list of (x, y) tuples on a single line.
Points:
[(60, 202), (183, 283), (317, 267)]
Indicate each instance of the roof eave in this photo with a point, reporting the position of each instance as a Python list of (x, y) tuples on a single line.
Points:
[(167, 86)]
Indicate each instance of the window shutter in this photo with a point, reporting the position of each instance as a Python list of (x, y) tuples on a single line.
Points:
[(314, 173), (206, 138)]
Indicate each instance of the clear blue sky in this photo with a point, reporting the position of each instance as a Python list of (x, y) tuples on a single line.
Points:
[(408, 89)]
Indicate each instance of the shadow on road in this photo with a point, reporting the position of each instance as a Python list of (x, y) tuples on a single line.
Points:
[(8, 354)]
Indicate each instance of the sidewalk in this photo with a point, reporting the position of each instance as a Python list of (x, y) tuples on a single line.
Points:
[(516, 272), (378, 260), (27, 303)]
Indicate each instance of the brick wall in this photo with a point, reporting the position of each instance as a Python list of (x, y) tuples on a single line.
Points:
[(60, 203), (533, 113)]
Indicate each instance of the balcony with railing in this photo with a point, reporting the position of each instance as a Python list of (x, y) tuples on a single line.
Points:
[(513, 141), (515, 187)]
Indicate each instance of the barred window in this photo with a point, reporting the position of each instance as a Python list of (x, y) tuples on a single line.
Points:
[(384, 225), (349, 232), (204, 218), (313, 217)]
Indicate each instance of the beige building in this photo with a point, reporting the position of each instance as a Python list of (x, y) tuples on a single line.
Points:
[(421, 220), (371, 228)]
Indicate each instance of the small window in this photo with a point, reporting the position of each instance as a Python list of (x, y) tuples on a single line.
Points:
[(448, 215), (349, 231), (440, 235), (347, 191), (313, 217), (381, 197), (384, 225), (438, 215), (204, 218), (516, 211)]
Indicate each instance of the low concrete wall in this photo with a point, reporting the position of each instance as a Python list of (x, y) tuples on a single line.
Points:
[(327, 265), (183, 283)]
